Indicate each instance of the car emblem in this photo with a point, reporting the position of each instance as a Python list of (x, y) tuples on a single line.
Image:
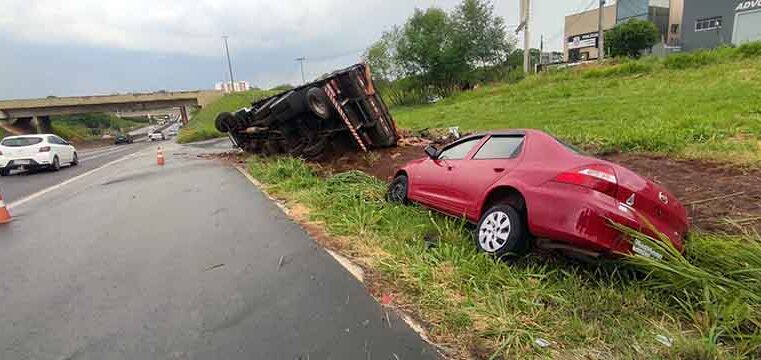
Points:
[(630, 200), (663, 198)]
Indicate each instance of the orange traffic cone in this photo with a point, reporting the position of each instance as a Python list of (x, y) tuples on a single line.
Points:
[(160, 157), (5, 216)]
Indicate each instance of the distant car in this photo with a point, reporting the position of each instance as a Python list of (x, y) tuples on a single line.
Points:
[(157, 136), (171, 132), (30, 152), (123, 139), (520, 185)]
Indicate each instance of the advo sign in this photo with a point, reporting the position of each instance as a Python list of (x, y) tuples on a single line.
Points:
[(748, 5)]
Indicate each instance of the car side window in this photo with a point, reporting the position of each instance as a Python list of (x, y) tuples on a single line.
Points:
[(53, 140), (500, 147), (60, 141), (458, 151)]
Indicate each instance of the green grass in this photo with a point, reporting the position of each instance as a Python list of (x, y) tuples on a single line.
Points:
[(201, 124), (470, 301), (702, 104)]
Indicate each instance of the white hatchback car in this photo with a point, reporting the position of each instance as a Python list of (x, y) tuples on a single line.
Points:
[(35, 152), (157, 136)]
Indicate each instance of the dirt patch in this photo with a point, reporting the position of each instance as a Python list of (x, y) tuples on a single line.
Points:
[(381, 163), (718, 196)]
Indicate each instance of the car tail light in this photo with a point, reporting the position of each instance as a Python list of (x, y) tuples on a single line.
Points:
[(45, 149), (598, 177)]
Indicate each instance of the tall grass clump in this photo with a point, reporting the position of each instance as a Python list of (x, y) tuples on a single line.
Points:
[(624, 69), (716, 284)]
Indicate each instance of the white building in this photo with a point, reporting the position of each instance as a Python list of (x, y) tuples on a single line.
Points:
[(240, 85)]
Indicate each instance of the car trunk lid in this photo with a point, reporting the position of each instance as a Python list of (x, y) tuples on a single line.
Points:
[(654, 202)]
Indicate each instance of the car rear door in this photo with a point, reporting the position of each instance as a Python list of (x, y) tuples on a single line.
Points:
[(471, 178), (430, 183)]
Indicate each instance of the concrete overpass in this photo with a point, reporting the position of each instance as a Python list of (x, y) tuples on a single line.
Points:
[(33, 115)]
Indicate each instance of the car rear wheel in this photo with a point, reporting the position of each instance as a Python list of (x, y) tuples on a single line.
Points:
[(502, 231), (397, 190), (56, 164)]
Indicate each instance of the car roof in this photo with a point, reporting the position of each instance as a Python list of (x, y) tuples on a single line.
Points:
[(27, 136)]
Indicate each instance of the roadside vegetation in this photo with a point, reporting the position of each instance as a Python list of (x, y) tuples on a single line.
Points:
[(88, 127), (201, 123), (705, 305)]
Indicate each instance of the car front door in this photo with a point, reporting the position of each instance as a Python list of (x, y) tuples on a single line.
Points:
[(63, 149), (431, 181), (472, 177)]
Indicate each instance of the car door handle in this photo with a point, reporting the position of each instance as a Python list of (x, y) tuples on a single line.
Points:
[(499, 170)]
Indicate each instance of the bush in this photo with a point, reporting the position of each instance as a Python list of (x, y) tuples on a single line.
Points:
[(750, 49)]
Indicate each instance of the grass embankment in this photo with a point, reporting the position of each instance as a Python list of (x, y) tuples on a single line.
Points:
[(201, 124), (88, 127), (707, 304), (702, 104)]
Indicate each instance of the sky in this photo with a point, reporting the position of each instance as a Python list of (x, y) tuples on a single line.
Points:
[(98, 47)]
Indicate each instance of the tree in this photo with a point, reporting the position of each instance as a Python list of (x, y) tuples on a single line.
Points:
[(631, 38), (425, 48), (480, 33), (381, 56)]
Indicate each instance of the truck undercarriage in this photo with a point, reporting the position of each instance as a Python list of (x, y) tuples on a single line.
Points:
[(340, 112)]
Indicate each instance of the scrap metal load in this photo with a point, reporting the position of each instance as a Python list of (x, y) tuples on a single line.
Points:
[(340, 112)]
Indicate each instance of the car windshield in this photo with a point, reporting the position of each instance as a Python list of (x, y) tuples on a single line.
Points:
[(22, 141)]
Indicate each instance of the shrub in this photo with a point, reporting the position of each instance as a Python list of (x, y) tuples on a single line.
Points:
[(750, 49)]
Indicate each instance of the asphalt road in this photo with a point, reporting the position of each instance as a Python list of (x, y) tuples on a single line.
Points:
[(24, 184), (134, 261)]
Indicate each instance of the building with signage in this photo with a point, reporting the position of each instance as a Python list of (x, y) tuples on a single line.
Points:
[(710, 23), (581, 33)]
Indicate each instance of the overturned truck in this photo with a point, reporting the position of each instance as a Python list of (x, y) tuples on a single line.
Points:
[(339, 112)]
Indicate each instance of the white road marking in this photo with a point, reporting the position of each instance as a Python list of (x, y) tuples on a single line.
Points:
[(69, 181), (105, 153)]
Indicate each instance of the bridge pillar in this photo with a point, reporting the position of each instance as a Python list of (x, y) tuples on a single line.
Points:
[(44, 125), (184, 114)]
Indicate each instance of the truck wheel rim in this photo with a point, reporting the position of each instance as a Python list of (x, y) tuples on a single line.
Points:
[(494, 231)]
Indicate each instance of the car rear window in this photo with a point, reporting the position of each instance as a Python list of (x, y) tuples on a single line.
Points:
[(23, 141)]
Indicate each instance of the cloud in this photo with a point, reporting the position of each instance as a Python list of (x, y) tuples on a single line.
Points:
[(195, 27)]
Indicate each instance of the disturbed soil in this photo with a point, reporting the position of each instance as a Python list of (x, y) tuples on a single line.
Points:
[(719, 197)]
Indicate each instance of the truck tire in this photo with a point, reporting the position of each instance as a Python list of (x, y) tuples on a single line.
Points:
[(224, 121), (317, 101)]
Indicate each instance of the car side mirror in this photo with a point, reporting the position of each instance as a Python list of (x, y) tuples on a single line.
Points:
[(431, 151)]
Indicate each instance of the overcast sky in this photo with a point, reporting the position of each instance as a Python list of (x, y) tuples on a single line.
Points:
[(89, 47)]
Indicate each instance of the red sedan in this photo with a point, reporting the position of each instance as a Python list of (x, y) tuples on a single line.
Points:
[(518, 185)]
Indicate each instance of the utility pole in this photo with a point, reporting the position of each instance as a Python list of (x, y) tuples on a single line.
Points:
[(600, 34), (526, 37), (301, 63), (229, 65), (541, 49)]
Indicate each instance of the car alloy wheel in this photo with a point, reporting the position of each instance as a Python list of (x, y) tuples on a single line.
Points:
[(397, 190), (75, 160), (494, 231), (56, 164), (503, 231)]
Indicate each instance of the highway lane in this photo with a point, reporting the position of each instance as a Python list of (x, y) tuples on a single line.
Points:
[(20, 185), (135, 261)]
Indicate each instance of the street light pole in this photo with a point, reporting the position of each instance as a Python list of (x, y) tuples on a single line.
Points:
[(600, 34), (229, 65), (301, 63)]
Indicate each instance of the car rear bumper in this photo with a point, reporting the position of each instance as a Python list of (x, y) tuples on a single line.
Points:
[(582, 217), (27, 163)]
